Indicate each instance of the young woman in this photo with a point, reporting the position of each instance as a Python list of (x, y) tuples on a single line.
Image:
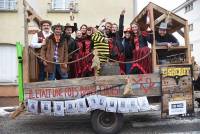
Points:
[(83, 29), (140, 42), (83, 67)]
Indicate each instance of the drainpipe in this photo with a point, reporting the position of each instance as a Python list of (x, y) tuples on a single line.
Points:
[(20, 71), (135, 8)]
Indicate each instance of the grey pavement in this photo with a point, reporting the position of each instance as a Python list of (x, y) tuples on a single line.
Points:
[(141, 123)]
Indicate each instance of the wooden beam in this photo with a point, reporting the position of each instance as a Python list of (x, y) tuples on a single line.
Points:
[(186, 36), (178, 19), (142, 85), (152, 26), (25, 52), (159, 19), (31, 17), (180, 32)]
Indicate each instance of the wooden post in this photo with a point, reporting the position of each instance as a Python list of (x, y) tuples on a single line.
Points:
[(186, 36), (25, 52), (152, 26)]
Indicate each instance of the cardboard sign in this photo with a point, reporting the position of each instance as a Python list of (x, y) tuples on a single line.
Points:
[(33, 106), (70, 106), (58, 107), (177, 107), (81, 105), (143, 103), (122, 105), (93, 102), (133, 105), (46, 107), (111, 104), (102, 102)]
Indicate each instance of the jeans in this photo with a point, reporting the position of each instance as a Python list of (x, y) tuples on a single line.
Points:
[(128, 67), (42, 73), (57, 71)]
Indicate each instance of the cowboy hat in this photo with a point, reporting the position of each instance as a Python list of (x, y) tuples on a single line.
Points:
[(57, 25), (163, 25), (45, 21), (68, 25)]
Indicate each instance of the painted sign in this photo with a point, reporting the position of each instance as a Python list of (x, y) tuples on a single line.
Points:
[(142, 85), (173, 71), (177, 107)]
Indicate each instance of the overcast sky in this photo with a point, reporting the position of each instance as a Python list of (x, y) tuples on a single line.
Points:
[(167, 4)]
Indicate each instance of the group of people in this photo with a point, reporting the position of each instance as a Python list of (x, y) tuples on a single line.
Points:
[(61, 56)]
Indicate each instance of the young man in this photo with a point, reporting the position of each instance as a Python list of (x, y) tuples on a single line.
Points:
[(68, 30), (37, 42), (162, 37), (55, 49)]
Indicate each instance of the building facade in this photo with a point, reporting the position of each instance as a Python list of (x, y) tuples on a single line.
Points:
[(190, 11), (19, 20)]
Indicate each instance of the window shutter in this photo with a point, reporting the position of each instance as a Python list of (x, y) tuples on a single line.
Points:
[(8, 63)]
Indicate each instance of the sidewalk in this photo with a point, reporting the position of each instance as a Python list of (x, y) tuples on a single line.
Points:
[(6, 111)]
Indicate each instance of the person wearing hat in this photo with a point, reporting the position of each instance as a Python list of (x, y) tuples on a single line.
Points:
[(37, 42), (162, 37), (127, 49), (68, 30), (55, 50)]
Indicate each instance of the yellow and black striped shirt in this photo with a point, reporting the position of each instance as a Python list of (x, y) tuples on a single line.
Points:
[(101, 46)]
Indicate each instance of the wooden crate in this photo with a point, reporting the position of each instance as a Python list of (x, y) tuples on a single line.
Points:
[(176, 85)]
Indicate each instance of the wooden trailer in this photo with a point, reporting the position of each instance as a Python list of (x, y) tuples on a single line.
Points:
[(170, 81)]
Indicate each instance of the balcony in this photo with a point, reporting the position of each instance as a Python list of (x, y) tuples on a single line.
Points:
[(8, 6)]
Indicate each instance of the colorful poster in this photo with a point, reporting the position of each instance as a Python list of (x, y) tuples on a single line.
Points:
[(177, 107), (111, 104), (46, 107), (58, 107), (70, 107), (122, 105), (143, 103), (102, 102), (133, 105), (93, 102), (81, 105), (33, 106)]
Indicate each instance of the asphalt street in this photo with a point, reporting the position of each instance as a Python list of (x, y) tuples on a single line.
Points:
[(141, 123)]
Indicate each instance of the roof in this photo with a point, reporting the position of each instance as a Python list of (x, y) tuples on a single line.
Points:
[(159, 14), (182, 6)]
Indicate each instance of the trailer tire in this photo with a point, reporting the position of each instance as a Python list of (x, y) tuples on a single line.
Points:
[(106, 122)]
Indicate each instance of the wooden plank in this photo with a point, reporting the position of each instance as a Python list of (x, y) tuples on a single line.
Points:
[(174, 47), (180, 32), (159, 19), (186, 37), (142, 85)]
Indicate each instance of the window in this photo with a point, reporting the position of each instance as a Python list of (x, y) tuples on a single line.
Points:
[(189, 7), (8, 4), (190, 27), (8, 62), (64, 5)]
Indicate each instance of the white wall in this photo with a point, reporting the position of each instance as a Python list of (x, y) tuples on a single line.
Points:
[(193, 17)]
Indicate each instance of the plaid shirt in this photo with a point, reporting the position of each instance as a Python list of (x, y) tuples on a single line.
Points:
[(56, 53)]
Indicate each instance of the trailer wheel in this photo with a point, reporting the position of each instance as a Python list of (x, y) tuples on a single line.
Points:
[(106, 122)]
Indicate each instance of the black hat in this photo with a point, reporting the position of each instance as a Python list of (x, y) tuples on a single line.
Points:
[(57, 25), (68, 25)]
